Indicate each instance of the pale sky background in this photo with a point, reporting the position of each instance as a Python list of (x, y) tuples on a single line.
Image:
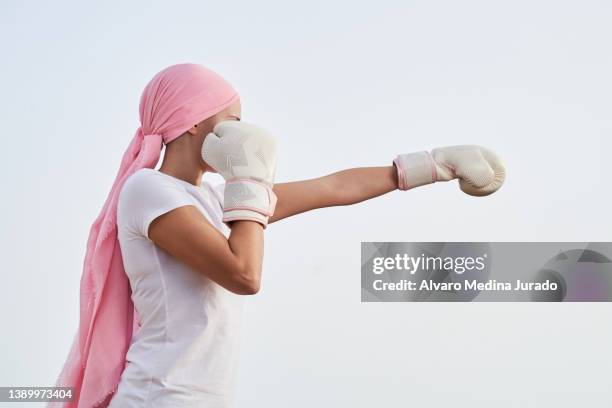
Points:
[(341, 84)]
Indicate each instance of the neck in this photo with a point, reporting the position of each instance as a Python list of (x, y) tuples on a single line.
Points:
[(180, 162)]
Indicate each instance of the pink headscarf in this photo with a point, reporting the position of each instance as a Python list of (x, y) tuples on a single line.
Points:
[(172, 102)]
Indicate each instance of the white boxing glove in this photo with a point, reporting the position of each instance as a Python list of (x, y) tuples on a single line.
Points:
[(245, 155), (479, 170)]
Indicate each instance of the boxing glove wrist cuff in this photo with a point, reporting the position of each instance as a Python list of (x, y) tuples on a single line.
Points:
[(246, 198), (415, 169), (245, 215)]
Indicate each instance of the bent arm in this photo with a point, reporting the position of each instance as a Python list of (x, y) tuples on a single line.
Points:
[(234, 263), (344, 187)]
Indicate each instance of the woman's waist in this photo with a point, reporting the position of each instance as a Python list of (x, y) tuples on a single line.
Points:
[(199, 376)]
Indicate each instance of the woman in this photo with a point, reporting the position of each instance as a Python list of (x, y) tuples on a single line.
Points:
[(182, 254)]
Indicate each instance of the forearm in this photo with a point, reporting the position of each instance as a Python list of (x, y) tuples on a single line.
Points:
[(246, 243), (355, 185), (344, 187)]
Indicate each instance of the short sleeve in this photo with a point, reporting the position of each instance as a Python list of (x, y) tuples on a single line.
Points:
[(144, 197)]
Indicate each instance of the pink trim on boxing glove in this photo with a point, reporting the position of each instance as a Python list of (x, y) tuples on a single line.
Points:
[(258, 210), (273, 200), (263, 221), (401, 175)]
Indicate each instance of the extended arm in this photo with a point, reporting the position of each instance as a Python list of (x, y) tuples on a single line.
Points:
[(344, 187), (480, 173)]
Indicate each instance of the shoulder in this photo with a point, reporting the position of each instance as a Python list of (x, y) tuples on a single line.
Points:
[(149, 188), (147, 194), (143, 177), (145, 181)]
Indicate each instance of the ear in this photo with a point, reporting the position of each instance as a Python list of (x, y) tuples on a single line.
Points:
[(193, 130)]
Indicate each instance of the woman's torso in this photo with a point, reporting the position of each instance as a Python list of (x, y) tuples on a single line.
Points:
[(184, 353)]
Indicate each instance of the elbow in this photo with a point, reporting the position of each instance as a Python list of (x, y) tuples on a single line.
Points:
[(249, 288), (247, 282)]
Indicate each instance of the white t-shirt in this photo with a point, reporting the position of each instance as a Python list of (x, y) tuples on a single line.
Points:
[(184, 353)]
